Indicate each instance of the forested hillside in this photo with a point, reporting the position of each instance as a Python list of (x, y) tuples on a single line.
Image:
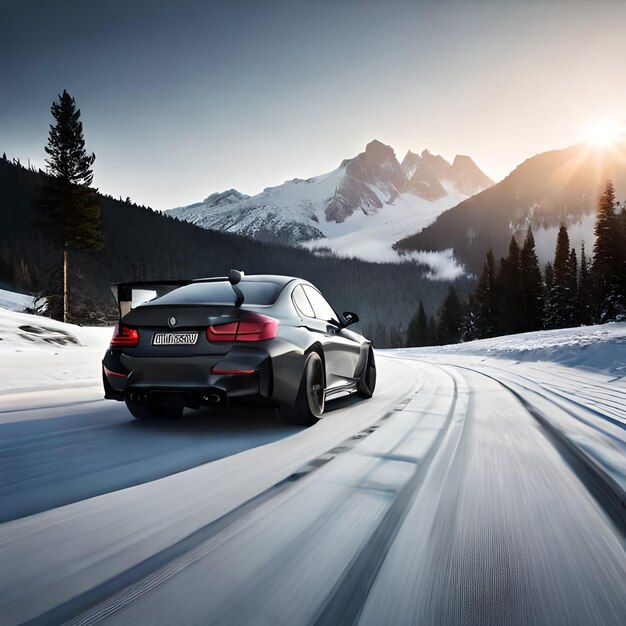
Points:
[(141, 244)]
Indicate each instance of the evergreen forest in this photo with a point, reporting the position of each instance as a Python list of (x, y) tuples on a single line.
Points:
[(516, 296)]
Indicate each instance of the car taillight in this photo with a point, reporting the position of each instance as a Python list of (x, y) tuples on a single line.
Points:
[(222, 332), (251, 327), (123, 336)]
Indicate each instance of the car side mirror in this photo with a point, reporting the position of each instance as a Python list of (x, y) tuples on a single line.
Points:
[(349, 318)]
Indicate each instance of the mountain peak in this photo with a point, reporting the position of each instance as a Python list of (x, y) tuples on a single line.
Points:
[(221, 198), (376, 168), (467, 176), (377, 152)]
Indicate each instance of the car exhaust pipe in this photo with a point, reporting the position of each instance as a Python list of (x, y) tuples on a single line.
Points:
[(214, 397), (137, 396)]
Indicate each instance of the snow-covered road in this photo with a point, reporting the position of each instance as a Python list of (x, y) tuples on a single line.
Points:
[(484, 483), (444, 499)]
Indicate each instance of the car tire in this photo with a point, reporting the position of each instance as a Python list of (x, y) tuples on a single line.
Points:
[(309, 403), (367, 380), (142, 410)]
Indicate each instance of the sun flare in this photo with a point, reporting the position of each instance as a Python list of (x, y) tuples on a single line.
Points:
[(603, 133)]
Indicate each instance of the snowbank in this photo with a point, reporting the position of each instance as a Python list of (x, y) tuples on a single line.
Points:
[(600, 348), (37, 352)]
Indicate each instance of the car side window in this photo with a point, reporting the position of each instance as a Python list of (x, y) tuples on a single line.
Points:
[(302, 302), (323, 310)]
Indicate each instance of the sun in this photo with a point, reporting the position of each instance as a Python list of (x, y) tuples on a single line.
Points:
[(603, 133)]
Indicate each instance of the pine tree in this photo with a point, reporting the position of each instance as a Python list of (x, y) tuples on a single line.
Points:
[(68, 213), (450, 319), (509, 285), (532, 288), (561, 303), (572, 287), (486, 300), (585, 291), (607, 269), (417, 333)]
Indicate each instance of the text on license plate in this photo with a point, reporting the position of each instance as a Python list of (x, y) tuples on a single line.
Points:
[(174, 339)]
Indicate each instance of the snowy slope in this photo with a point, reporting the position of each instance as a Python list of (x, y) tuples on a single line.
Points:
[(358, 210), (600, 348), (371, 236), (293, 209), (38, 353)]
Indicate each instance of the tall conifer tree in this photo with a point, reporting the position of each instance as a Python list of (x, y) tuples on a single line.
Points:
[(560, 300), (509, 283), (532, 287), (68, 212), (607, 269), (486, 300)]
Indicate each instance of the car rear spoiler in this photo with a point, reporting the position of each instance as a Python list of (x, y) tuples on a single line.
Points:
[(130, 295)]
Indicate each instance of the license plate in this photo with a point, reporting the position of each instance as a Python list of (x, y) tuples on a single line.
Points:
[(174, 339)]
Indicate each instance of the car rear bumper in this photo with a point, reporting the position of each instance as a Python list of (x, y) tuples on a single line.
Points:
[(243, 375)]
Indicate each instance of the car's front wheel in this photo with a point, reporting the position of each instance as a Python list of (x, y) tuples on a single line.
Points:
[(142, 408), (309, 404)]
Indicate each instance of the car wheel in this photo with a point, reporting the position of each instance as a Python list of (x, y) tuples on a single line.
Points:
[(309, 404), (367, 380), (145, 409)]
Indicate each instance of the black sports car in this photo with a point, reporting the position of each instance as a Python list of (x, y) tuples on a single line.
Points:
[(234, 340)]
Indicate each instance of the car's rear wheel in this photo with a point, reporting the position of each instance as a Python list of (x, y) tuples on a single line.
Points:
[(146, 408), (367, 381), (310, 401)]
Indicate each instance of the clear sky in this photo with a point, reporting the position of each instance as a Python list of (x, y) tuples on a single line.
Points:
[(183, 98)]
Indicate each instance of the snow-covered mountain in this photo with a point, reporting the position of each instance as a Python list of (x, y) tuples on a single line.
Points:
[(358, 210)]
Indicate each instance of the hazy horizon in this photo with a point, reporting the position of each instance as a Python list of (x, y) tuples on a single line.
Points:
[(180, 100)]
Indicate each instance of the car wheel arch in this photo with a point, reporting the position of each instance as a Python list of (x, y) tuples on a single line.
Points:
[(317, 347), (366, 347)]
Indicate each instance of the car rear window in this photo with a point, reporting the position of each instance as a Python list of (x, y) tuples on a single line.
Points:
[(259, 293)]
